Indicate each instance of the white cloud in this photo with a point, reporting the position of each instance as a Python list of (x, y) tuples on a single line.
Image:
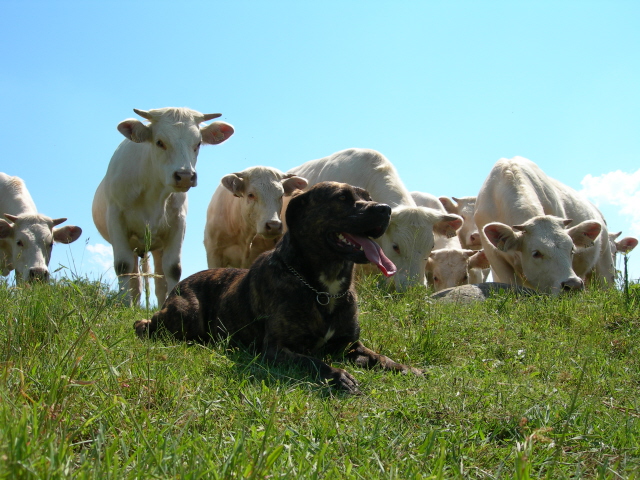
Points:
[(619, 189), (102, 255)]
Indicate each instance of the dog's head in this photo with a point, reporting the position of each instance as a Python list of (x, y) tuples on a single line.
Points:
[(339, 220)]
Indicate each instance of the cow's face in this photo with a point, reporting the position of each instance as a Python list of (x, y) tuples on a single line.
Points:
[(450, 267), (261, 189), (31, 239), (541, 250), (465, 207), (409, 240), (174, 136)]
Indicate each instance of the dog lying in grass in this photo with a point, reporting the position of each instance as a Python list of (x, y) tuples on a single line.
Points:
[(298, 300)]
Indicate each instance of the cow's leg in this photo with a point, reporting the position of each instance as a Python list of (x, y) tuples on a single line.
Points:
[(125, 262), (126, 268), (159, 280), (170, 261)]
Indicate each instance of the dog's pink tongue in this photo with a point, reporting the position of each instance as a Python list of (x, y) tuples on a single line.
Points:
[(373, 253)]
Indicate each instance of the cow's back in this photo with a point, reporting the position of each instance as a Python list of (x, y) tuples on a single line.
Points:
[(14, 196), (360, 167), (515, 191)]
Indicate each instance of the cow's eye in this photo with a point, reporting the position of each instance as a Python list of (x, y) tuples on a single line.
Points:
[(161, 144), (536, 254), (251, 196), (465, 278), (197, 147), (396, 248), (342, 198), (436, 279), (19, 243)]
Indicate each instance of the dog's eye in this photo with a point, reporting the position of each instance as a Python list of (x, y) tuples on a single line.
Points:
[(342, 198), (396, 248)]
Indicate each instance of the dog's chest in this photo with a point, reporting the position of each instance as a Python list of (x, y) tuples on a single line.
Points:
[(322, 341)]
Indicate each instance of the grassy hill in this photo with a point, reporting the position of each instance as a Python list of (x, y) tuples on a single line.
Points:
[(515, 388)]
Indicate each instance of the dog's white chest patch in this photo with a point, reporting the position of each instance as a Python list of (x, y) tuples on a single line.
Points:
[(333, 286), (326, 338)]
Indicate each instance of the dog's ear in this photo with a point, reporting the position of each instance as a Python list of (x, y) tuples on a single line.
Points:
[(297, 205), (363, 194)]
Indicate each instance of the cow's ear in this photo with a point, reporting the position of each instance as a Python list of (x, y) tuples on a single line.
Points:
[(448, 205), (447, 225), (479, 260), (216, 132), (135, 130), (6, 229), (502, 236), (234, 184), (626, 244), (68, 234), (294, 183), (584, 234)]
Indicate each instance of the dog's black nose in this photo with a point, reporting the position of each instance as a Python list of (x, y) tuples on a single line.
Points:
[(382, 209)]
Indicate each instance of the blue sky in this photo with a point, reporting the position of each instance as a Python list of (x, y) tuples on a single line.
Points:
[(443, 89)]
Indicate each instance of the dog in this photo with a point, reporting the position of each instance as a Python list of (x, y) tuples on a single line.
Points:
[(298, 300)]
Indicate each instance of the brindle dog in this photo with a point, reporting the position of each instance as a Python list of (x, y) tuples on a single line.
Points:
[(298, 300)]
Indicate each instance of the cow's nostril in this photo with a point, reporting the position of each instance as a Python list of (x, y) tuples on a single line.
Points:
[(38, 274)]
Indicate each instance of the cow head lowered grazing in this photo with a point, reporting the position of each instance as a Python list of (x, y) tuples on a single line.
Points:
[(27, 237), (409, 240), (141, 204), (26, 244), (542, 250)]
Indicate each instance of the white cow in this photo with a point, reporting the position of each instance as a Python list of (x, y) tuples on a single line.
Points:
[(522, 215), (141, 204), (450, 265), (409, 239), (243, 217), (27, 239), (465, 207), (623, 246)]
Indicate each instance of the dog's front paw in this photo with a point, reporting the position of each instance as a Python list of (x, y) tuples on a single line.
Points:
[(142, 328), (343, 380)]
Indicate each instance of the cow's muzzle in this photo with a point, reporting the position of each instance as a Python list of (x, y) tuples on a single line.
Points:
[(184, 180)]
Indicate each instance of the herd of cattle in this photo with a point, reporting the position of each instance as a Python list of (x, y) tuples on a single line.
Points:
[(524, 226)]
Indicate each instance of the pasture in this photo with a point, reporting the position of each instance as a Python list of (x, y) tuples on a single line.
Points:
[(515, 388)]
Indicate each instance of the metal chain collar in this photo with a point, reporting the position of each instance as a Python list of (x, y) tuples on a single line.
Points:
[(325, 296)]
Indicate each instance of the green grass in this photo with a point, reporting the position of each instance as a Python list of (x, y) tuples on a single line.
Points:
[(515, 388)]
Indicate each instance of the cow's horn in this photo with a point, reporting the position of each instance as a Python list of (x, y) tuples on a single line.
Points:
[(13, 218), (143, 113), (210, 116)]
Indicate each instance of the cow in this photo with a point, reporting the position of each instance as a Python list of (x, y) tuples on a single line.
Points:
[(410, 237), (450, 265), (140, 205), (465, 207), (243, 217), (26, 240), (523, 214)]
